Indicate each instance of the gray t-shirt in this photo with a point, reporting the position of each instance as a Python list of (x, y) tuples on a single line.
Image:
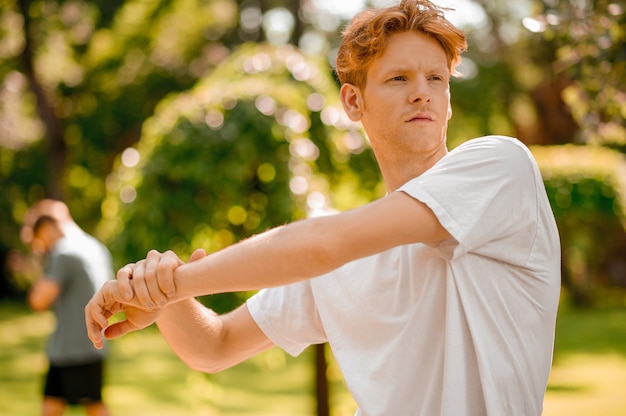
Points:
[(80, 264)]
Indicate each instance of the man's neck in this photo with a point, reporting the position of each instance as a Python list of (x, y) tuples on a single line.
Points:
[(402, 169)]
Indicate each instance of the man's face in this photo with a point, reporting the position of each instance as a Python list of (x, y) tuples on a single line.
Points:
[(42, 240), (406, 99), (39, 244)]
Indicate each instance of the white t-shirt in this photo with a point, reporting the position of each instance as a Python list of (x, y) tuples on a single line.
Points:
[(463, 328)]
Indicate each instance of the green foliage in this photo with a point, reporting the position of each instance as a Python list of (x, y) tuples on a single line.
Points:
[(258, 143), (104, 67), (589, 43), (587, 190), (479, 104), (144, 377)]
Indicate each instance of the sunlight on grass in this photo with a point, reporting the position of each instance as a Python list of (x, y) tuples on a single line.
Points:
[(589, 371), (142, 367), (145, 378), (584, 384)]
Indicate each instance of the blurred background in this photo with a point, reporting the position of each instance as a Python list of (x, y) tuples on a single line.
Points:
[(195, 123)]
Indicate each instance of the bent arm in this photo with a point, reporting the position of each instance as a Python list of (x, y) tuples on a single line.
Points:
[(209, 342), (309, 248), (43, 294)]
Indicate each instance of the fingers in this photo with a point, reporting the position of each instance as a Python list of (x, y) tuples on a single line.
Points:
[(124, 277), (140, 288), (118, 329), (140, 285), (107, 302), (168, 262), (198, 254), (94, 328), (135, 319), (150, 281), (100, 308)]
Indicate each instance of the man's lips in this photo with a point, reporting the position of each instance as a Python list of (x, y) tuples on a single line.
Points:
[(420, 117)]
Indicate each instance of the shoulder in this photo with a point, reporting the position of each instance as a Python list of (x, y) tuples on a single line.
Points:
[(493, 164), (62, 248), (76, 244), (503, 145), (66, 253), (504, 153)]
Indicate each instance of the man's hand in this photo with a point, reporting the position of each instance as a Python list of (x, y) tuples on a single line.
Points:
[(151, 281), (140, 292), (106, 303)]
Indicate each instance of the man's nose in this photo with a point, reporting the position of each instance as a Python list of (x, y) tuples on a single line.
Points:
[(420, 92)]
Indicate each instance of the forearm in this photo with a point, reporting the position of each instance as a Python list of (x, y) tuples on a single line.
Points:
[(309, 248), (281, 256), (193, 332), (42, 294), (209, 342)]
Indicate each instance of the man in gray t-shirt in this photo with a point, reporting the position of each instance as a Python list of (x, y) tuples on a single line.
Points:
[(76, 266)]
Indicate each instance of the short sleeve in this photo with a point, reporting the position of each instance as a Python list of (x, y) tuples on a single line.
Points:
[(484, 193), (288, 316), (56, 267)]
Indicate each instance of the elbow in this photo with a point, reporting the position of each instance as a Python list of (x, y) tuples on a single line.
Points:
[(201, 366), (34, 307), (206, 366), (209, 359), (36, 304), (37, 308), (208, 370)]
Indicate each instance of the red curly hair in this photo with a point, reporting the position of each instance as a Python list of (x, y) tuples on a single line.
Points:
[(366, 37)]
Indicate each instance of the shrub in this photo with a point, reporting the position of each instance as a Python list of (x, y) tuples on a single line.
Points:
[(587, 190), (261, 141)]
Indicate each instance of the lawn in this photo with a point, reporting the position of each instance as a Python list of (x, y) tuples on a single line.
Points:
[(145, 378), (589, 368)]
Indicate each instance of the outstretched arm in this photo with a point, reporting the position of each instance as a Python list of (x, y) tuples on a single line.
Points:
[(204, 340), (286, 254)]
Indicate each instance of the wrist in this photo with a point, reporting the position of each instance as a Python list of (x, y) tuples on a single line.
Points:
[(183, 276)]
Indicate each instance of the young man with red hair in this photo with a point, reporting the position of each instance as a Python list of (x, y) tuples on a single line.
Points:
[(438, 299)]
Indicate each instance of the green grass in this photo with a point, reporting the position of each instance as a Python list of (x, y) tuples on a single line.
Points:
[(145, 378), (589, 369)]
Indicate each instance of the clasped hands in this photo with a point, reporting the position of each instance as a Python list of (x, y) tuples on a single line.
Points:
[(141, 290)]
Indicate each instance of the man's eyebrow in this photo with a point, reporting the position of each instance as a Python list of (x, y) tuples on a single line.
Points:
[(397, 69)]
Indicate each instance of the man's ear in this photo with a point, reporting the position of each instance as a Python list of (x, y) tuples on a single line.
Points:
[(352, 101), (449, 111)]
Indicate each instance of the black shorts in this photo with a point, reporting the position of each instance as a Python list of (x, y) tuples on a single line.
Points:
[(75, 384)]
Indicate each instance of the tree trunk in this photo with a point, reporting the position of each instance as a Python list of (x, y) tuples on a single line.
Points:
[(321, 381), (53, 131)]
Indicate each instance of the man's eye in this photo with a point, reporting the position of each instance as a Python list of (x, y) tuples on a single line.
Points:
[(398, 78)]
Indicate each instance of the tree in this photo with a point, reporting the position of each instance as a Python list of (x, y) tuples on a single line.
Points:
[(86, 75), (79, 79), (587, 41), (260, 142)]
